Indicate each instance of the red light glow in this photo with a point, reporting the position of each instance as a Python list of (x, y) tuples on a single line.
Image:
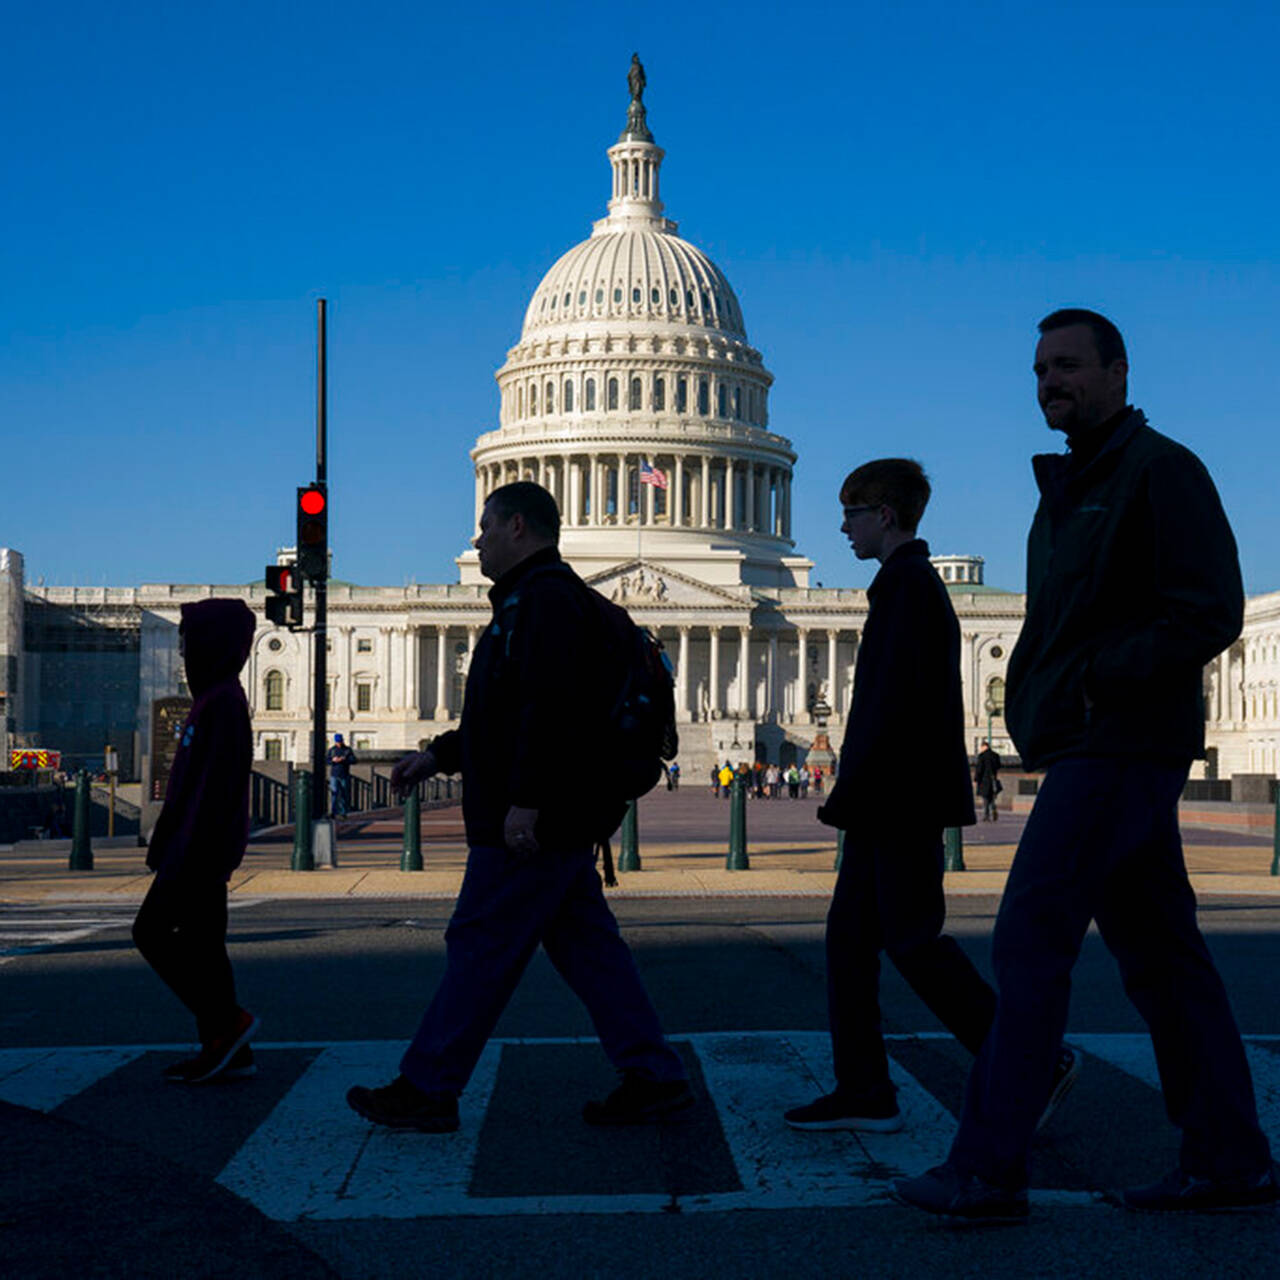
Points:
[(312, 501)]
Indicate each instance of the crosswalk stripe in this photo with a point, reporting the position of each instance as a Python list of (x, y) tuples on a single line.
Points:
[(312, 1158)]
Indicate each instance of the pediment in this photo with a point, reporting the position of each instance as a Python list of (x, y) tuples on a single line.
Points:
[(646, 585)]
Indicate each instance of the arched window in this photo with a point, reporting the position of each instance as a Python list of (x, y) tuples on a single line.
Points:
[(611, 393), (568, 396), (590, 393), (273, 691), (659, 393), (737, 403), (635, 400), (533, 399), (704, 397), (682, 395), (599, 296), (519, 402), (995, 696), (617, 295), (722, 399), (635, 295), (551, 397)]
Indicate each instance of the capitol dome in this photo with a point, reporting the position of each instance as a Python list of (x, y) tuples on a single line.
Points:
[(635, 396)]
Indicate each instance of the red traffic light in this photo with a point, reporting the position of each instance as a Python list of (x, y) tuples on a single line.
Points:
[(312, 501)]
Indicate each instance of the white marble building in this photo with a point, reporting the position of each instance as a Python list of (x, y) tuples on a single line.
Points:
[(634, 350)]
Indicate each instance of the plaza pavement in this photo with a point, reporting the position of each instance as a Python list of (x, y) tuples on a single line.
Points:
[(683, 848)]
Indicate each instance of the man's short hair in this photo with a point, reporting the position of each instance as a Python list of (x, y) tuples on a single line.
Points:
[(1106, 336), (899, 483), (523, 497)]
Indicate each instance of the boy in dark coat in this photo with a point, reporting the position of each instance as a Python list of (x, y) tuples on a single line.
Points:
[(903, 777), (199, 840)]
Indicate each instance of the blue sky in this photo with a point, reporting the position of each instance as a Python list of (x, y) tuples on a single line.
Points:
[(897, 195)]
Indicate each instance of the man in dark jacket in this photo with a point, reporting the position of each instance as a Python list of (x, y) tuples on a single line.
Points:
[(535, 697), (199, 840), (340, 758), (986, 780), (904, 775), (1133, 585)]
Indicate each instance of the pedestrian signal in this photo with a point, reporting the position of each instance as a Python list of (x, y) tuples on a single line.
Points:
[(284, 605), (313, 532)]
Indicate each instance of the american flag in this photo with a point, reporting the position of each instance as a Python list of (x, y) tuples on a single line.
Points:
[(651, 475)]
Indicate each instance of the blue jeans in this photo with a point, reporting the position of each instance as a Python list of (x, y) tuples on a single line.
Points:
[(507, 906), (1102, 844), (340, 793)]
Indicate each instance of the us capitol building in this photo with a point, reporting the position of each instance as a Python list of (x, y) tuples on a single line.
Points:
[(633, 354)]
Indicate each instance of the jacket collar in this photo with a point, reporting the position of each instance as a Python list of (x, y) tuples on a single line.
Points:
[(1054, 472), (908, 550), (510, 580)]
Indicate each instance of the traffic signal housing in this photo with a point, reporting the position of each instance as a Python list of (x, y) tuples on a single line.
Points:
[(284, 605), (313, 532)]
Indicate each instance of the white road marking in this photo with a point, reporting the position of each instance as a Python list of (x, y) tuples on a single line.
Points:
[(43, 1079)]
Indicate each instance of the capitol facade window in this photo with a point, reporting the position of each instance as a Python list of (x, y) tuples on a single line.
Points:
[(659, 394), (589, 394), (682, 395), (704, 397), (612, 394), (364, 696), (273, 691), (364, 645), (551, 397), (568, 396), (636, 394)]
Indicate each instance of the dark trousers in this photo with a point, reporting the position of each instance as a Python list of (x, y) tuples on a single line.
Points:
[(181, 931), (507, 906), (1102, 844), (888, 897)]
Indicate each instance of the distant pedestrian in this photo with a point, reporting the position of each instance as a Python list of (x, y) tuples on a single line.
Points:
[(904, 776), (340, 759), (726, 778), (804, 782), (539, 684), (817, 779), (715, 780), (773, 780), (200, 839), (1133, 586), (673, 776), (793, 782), (986, 780), (757, 778)]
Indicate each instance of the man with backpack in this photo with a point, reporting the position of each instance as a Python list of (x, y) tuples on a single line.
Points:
[(542, 687)]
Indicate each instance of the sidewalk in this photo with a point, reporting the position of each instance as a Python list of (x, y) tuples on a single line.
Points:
[(683, 847)]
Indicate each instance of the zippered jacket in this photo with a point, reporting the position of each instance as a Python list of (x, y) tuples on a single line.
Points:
[(1133, 585)]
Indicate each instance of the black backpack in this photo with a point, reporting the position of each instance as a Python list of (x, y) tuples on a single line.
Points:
[(639, 729)]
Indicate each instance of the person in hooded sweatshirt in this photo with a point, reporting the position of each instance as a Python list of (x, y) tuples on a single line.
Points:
[(200, 839)]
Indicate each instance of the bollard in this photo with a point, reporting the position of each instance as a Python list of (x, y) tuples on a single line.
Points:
[(839, 847), (952, 850), (411, 857), (737, 859), (629, 840), (303, 855), (1275, 858), (81, 849)]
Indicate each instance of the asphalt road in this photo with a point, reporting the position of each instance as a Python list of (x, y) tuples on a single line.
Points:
[(117, 1178)]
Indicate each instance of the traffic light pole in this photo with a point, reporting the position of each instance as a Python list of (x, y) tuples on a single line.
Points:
[(320, 585)]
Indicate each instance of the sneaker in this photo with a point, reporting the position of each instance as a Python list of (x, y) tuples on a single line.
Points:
[(870, 1114), (950, 1193), (240, 1067), (1179, 1191), (639, 1098), (402, 1105), (214, 1058), (1064, 1076)]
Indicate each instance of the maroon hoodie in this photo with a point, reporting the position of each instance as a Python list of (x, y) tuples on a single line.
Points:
[(203, 827)]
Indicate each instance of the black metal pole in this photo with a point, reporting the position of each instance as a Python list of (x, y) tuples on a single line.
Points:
[(321, 584)]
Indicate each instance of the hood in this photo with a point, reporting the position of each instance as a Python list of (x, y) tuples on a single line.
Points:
[(216, 638)]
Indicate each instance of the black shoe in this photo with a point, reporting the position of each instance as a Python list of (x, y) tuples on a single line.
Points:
[(869, 1114), (637, 1099), (1183, 1192), (949, 1193), (240, 1066), (1064, 1076), (402, 1105)]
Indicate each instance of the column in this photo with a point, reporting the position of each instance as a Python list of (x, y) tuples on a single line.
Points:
[(575, 492), (713, 708), (682, 677), (775, 704), (833, 676), (975, 696), (412, 657), (675, 502), (749, 516), (744, 670), (775, 488), (729, 513), (704, 495), (441, 711), (479, 493), (802, 676), (385, 634)]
